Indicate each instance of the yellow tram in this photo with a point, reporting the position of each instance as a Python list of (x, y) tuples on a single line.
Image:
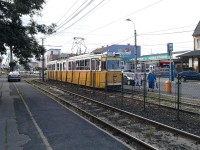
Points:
[(92, 70)]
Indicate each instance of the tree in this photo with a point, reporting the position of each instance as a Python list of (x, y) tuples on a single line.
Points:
[(12, 64), (18, 37)]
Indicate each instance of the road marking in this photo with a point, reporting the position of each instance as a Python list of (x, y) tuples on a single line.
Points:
[(44, 139)]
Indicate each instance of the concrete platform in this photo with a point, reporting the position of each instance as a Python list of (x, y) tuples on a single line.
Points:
[(48, 125)]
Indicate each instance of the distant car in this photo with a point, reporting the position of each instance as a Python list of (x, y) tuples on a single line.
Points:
[(126, 71), (14, 76), (128, 78), (189, 75)]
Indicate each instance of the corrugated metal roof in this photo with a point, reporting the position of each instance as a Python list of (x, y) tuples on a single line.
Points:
[(197, 30)]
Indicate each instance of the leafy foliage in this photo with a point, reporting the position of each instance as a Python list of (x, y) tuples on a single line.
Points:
[(12, 64), (18, 37)]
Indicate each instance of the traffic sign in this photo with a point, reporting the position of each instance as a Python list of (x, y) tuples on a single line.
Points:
[(169, 48)]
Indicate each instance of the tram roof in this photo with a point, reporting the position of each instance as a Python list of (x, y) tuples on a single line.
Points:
[(90, 55)]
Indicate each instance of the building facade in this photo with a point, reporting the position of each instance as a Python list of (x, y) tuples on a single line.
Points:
[(191, 60), (127, 52)]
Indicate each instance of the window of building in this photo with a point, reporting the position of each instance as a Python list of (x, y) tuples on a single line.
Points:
[(198, 43)]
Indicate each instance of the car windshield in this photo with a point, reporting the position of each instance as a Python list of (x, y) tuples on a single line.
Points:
[(129, 74)]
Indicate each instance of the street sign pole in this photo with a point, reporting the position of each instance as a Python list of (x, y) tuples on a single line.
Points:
[(169, 50)]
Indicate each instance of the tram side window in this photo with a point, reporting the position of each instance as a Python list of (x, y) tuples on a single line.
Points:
[(103, 65), (70, 65), (53, 67), (87, 64), (61, 66), (113, 64), (77, 65), (73, 65), (49, 67), (82, 65), (58, 66), (95, 64), (64, 66)]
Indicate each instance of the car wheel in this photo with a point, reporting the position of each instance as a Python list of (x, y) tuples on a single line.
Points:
[(183, 79)]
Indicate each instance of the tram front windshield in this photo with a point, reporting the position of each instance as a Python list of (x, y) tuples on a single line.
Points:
[(113, 65)]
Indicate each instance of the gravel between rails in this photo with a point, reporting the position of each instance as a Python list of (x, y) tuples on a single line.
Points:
[(189, 123)]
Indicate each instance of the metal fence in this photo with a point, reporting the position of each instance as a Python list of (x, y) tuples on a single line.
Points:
[(178, 94)]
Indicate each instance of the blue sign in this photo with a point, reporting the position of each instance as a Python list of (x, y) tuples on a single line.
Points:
[(154, 57), (169, 48)]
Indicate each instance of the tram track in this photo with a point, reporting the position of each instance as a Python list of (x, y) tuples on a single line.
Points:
[(163, 100), (156, 135), (55, 93), (155, 99)]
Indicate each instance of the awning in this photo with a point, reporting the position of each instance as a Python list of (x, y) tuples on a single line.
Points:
[(164, 63), (189, 54)]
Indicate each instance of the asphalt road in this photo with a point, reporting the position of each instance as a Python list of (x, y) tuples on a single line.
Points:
[(32, 121), (188, 89)]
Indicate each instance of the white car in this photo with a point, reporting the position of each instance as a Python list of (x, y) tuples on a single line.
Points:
[(128, 78), (14, 76)]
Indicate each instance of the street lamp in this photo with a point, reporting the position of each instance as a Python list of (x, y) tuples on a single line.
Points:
[(135, 52)]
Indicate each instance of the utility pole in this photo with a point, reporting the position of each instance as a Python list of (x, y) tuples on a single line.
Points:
[(135, 51), (43, 61), (135, 46)]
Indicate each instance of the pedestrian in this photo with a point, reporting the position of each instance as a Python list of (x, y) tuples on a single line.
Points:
[(151, 80), (138, 79)]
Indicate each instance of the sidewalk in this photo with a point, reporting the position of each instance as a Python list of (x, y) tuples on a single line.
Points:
[(10, 139)]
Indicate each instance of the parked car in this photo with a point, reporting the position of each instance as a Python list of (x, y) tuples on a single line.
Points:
[(128, 78), (127, 71), (14, 76), (189, 75)]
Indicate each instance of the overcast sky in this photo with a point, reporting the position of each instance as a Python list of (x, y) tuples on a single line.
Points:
[(102, 23)]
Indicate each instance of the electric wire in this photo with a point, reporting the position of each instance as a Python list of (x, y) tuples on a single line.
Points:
[(67, 11), (123, 17), (167, 33), (168, 29), (73, 15), (112, 21), (79, 18), (139, 34)]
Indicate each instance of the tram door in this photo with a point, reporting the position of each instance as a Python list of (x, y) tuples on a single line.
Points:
[(95, 64), (95, 67)]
